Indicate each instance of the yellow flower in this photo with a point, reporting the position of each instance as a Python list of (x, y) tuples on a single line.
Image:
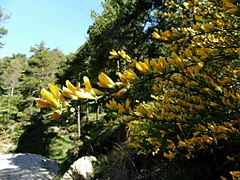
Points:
[(142, 67), (213, 103), (162, 63), (178, 60), (84, 95), (127, 105), (70, 86), (79, 93), (53, 99), (230, 7), (41, 103), (120, 84), (189, 155), (46, 95), (182, 144), (230, 158), (196, 27), (98, 92), (229, 4), (175, 32), (156, 35), (232, 10), (63, 101), (237, 73), (218, 88), (207, 90), (188, 53), (198, 67), (113, 54), (54, 90), (203, 53), (123, 54), (196, 133), (123, 78), (223, 178), (208, 27), (126, 77), (235, 174), (88, 92), (198, 18), (68, 93), (120, 92), (105, 81), (121, 108), (166, 35), (130, 74), (88, 86), (112, 105), (128, 58), (190, 71), (207, 139), (187, 4), (134, 145), (169, 155), (155, 65)]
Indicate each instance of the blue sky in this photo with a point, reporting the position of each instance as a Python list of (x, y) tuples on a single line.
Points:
[(60, 24)]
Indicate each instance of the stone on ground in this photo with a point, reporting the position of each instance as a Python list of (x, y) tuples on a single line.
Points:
[(81, 169)]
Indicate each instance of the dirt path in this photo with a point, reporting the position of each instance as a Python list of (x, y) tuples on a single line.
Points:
[(26, 167)]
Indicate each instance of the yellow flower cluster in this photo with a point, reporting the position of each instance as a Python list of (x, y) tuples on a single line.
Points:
[(53, 99), (200, 89), (122, 53), (56, 101), (235, 174), (119, 107)]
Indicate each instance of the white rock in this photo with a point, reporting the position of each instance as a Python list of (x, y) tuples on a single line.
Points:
[(83, 168)]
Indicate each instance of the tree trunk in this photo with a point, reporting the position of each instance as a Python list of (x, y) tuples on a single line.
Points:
[(79, 121), (87, 114), (97, 113)]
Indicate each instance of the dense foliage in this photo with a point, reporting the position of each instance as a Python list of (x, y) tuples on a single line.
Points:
[(21, 78)]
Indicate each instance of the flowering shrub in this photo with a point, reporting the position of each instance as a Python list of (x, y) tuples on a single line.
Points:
[(192, 100)]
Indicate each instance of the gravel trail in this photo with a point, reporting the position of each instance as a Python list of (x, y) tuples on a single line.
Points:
[(26, 167)]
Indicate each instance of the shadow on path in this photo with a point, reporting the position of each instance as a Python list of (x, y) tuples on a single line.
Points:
[(26, 166), (35, 138)]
